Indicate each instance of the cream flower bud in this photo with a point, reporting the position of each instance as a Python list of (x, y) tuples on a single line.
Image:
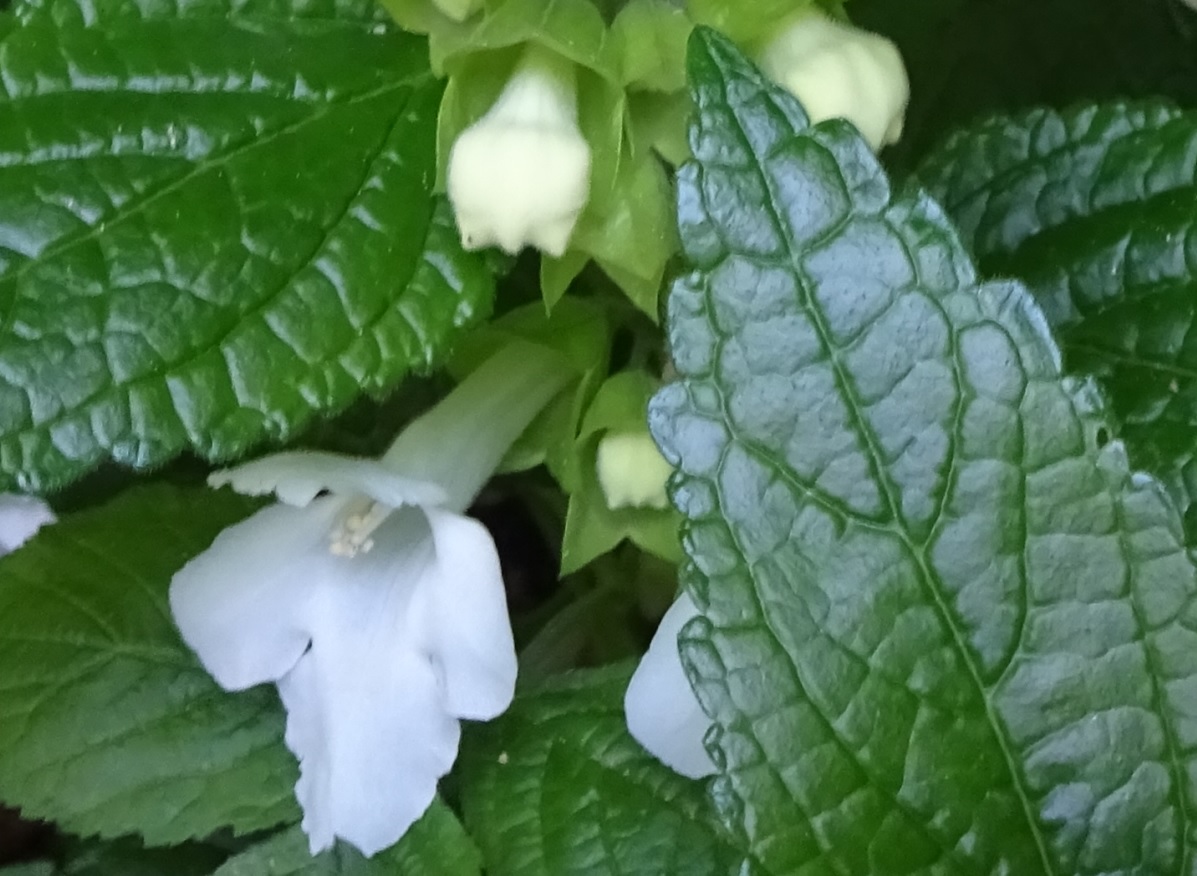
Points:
[(520, 175), (839, 71), (631, 471), (458, 10)]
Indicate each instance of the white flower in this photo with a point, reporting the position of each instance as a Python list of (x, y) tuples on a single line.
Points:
[(839, 71), (20, 518), (373, 604), (520, 175), (662, 712), (631, 471)]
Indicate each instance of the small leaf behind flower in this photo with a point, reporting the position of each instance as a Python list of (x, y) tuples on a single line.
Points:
[(557, 787), (108, 725), (436, 845)]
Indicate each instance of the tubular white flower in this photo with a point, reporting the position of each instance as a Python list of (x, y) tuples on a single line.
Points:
[(377, 609), (20, 518), (631, 471), (520, 175), (839, 71), (662, 712)]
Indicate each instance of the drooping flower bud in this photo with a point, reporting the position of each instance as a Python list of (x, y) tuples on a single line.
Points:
[(458, 10), (631, 471), (839, 71), (520, 175)]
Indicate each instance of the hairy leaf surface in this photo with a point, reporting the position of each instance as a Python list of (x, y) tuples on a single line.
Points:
[(943, 629), (211, 230)]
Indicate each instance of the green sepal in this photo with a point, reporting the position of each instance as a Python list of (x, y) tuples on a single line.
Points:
[(657, 121), (478, 61), (650, 41), (631, 241), (729, 17), (425, 17), (591, 527), (577, 329)]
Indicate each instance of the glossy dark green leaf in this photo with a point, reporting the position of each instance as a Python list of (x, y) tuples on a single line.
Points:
[(1095, 209), (969, 57), (943, 629), (557, 787), (436, 845), (210, 232), (108, 725), (286, 13)]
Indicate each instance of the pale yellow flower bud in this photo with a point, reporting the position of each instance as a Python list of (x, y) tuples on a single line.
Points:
[(839, 71)]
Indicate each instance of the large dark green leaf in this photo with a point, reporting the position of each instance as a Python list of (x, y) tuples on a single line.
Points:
[(108, 725), (943, 629), (557, 787), (968, 57), (211, 230), (1095, 209)]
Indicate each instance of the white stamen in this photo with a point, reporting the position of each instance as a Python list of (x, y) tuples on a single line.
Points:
[(352, 536)]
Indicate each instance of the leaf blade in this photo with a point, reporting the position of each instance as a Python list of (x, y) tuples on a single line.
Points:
[(109, 724), (239, 266), (894, 501)]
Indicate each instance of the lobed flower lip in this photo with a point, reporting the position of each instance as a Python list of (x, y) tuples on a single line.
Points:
[(377, 654), (520, 175), (839, 71), (372, 602), (662, 711), (20, 518)]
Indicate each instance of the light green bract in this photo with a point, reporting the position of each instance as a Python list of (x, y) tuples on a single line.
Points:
[(943, 629)]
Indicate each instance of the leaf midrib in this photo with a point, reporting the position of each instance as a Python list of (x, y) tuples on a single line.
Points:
[(927, 576), (260, 306)]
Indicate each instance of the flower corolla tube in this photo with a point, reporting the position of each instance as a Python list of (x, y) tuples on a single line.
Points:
[(662, 712), (372, 602), (20, 518), (520, 175), (840, 71)]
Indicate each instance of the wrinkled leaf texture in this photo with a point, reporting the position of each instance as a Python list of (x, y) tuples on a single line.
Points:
[(215, 224), (557, 787), (108, 724), (1095, 209), (943, 629)]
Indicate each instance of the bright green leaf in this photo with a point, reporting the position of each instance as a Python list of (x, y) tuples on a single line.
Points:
[(436, 845), (109, 725), (1094, 210), (943, 630), (211, 232), (557, 787)]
